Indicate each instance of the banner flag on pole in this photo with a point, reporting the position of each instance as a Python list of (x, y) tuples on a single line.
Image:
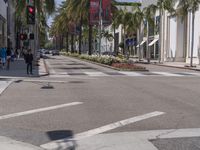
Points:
[(106, 8), (94, 12)]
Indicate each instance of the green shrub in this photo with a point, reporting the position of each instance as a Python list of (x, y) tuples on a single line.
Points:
[(107, 60)]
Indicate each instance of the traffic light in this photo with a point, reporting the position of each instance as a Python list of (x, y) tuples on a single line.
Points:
[(23, 37), (31, 36), (30, 15)]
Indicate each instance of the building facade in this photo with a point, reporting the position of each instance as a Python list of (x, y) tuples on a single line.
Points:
[(3, 23), (176, 39)]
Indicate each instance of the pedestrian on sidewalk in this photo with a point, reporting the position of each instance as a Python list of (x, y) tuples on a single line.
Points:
[(17, 53), (29, 61), (8, 53), (3, 56)]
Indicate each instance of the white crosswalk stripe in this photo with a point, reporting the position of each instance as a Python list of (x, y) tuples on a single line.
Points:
[(168, 74), (124, 73), (132, 74), (95, 74)]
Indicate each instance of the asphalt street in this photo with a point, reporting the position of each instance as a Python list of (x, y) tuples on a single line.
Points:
[(83, 100)]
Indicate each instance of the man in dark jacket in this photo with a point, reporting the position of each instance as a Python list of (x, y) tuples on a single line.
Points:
[(29, 60)]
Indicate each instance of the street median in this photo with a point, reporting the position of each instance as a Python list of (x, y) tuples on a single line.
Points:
[(112, 62)]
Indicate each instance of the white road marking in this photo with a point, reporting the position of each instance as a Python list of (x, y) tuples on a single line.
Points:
[(44, 81), (95, 74), (4, 85), (38, 110), (56, 144), (139, 140), (169, 74), (132, 74)]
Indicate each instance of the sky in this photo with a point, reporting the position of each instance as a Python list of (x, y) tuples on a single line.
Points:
[(58, 2)]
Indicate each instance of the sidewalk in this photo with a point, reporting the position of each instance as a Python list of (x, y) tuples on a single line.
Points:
[(18, 69), (180, 65), (9, 144)]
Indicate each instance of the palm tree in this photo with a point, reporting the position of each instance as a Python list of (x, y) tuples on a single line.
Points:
[(108, 36), (149, 14), (184, 7)]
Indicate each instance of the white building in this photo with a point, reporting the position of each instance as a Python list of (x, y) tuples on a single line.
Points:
[(177, 38), (3, 23)]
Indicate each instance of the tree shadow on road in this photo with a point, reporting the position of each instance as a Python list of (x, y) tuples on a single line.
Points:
[(64, 139)]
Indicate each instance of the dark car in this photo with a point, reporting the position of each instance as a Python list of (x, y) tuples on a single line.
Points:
[(109, 53), (55, 52)]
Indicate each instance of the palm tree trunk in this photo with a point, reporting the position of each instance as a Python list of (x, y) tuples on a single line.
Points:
[(192, 44), (90, 40), (115, 48), (67, 40), (124, 42), (80, 36), (139, 52), (160, 36), (147, 46), (72, 43)]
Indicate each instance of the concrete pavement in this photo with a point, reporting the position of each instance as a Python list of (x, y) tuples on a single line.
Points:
[(9, 144), (18, 69)]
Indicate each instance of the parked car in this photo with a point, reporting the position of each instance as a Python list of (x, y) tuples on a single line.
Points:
[(108, 53), (55, 52)]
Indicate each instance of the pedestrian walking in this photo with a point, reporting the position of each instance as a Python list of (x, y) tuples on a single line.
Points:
[(17, 53), (29, 60), (8, 53), (3, 56)]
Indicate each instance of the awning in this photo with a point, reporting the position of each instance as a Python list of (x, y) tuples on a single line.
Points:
[(153, 42), (142, 42)]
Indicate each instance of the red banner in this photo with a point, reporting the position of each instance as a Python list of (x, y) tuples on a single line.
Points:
[(94, 12), (106, 8)]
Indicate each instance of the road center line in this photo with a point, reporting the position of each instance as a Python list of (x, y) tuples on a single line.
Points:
[(55, 144), (38, 110)]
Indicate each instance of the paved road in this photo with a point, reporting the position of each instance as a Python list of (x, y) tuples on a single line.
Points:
[(82, 100)]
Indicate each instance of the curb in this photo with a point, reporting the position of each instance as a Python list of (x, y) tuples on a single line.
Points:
[(103, 65), (189, 68)]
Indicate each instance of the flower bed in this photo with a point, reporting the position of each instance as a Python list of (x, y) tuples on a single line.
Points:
[(116, 62), (127, 66)]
